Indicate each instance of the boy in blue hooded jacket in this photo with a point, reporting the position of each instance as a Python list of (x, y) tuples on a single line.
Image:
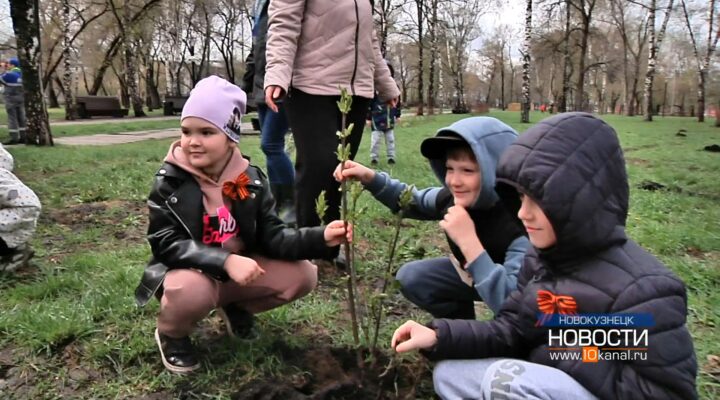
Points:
[(487, 242)]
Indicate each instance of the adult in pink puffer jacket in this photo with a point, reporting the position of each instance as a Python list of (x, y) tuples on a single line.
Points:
[(314, 48)]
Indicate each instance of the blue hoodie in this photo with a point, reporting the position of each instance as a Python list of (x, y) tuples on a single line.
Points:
[(495, 271)]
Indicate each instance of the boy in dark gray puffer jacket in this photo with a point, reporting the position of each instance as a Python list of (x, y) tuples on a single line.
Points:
[(569, 172)]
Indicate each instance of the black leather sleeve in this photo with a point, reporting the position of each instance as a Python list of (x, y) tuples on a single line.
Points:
[(278, 241), (171, 242)]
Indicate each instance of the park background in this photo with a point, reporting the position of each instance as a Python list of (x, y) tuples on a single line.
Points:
[(68, 325)]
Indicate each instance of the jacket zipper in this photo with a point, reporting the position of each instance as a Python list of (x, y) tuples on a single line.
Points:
[(179, 219), (357, 32)]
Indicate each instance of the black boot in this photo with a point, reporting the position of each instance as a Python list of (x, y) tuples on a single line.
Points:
[(285, 203)]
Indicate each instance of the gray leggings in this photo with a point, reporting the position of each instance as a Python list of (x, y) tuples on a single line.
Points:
[(504, 378)]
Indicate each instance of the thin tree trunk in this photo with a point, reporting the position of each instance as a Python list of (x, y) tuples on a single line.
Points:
[(26, 25), (502, 79), (421, 61), (652, 59), (702, 63), (525, 112), (562, 106), (653, 45), (433, 56), (52, 96), (70, 109)]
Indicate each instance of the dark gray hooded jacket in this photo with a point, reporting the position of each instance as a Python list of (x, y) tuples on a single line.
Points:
[(573, 167)]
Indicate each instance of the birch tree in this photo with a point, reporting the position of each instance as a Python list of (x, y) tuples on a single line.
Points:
[(26, 25), (67, 80), (702, 59), (654, 41), (525, 112)]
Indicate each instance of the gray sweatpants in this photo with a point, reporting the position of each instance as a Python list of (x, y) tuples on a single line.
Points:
[(504, 378), (375, 139)]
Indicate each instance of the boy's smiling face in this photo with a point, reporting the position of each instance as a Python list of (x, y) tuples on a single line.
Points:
[(540, 230), (464, 178)]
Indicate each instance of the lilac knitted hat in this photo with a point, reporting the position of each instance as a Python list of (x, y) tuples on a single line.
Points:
[(219, 102)]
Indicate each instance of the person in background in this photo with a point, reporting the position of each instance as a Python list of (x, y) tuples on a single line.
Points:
[(382, 119), (315, 48), (11, 79), (273, 124)]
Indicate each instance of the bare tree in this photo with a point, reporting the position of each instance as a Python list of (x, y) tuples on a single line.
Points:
[(585, 10), (417, 27), (525, 112), (70, 109), (620, 13), (703, 61), (123, 16), (461, 20), (385, 15), (653, 45), (433, 33), (26, 25)]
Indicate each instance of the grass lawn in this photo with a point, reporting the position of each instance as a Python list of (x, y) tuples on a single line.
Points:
[(105, 126), (69, 327), (58, 114)]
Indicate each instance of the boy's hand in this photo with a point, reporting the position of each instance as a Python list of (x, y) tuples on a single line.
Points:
[(461, 229), (242, 270), (354, 170), (411, 336), (335, 233)]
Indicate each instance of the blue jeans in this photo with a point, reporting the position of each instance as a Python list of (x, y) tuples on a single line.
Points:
[(435, 286), (273, 127)]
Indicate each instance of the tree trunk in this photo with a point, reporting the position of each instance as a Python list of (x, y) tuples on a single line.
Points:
[(151, 86), (421, 62), (525, 112), (654, 45), (580, 87), (562, 104), (490, 82), (433, 56), (70, 107), (26, 25), (652, 59), (502, 79), (52, 96), (131, 74)]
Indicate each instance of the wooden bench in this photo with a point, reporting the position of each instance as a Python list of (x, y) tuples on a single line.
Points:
[(97, 106), (173, 104)]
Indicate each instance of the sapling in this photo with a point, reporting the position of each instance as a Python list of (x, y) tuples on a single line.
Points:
[(343, 154), (404, 202)]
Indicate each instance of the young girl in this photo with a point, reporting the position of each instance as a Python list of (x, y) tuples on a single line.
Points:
[(216, 240), (570, 173)]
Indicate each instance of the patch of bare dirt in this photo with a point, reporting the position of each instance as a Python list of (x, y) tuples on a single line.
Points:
[(334, 373)]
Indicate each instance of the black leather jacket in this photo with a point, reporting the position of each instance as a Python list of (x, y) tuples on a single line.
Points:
[(175, 229)]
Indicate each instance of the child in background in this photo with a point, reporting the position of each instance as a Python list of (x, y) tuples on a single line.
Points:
[(382, 119), (566, 177), (216, 240), (19, 212)]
